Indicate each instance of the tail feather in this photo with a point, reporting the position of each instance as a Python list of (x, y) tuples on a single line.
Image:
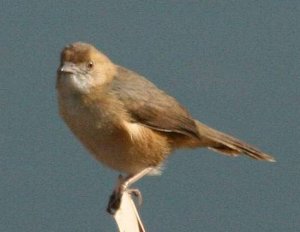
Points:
[(229, 145)]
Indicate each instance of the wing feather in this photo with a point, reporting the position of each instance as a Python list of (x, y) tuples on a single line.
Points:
[(151, 106)]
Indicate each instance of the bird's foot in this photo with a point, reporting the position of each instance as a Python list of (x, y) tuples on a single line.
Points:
[(122, 186), (116, 197), (137, 194), (114, 202)]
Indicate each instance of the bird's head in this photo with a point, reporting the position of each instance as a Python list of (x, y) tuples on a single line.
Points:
[(82, 68)]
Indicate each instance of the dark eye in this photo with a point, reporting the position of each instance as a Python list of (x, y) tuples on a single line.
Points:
[(90, 65)]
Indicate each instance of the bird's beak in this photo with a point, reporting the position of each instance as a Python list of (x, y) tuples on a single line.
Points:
[(68, 67)]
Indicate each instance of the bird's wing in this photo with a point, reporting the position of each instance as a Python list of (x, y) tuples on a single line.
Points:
[(150, 106)]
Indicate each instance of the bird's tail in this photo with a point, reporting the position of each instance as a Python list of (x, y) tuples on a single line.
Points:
[(229, 145)]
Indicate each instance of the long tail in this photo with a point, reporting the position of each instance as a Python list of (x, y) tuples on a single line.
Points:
[(229, 145)]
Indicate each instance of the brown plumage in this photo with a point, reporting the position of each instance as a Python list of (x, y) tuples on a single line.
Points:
[(124, 120)]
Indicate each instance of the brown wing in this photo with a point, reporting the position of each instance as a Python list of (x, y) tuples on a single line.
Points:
[(151, 106)]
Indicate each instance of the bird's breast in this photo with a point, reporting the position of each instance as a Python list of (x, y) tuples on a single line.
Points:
[(88, 119), (101, 132), (116, 142)]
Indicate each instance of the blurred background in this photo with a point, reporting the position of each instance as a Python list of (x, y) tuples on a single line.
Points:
[(233, 64)]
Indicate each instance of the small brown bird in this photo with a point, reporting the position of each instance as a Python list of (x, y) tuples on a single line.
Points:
[(125, 121)]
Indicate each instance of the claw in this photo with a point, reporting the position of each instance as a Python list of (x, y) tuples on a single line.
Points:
[(114, 202), (137, 194), (122, 185), (115, 199)]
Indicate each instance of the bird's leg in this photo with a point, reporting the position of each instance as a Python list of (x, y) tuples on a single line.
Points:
[(122, 186)]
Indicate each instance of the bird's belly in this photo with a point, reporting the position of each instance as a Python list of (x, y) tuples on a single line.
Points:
[(109, 144), (114, 151), (116, 146)]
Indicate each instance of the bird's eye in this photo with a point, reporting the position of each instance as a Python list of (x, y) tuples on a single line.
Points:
[(90, 65)]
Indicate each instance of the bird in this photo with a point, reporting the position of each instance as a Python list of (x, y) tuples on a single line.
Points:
[(126, 122)]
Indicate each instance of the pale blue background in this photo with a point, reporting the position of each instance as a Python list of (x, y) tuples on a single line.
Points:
[(234, 64)]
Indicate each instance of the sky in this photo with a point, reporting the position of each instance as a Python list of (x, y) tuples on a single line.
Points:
[(233, 64)]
